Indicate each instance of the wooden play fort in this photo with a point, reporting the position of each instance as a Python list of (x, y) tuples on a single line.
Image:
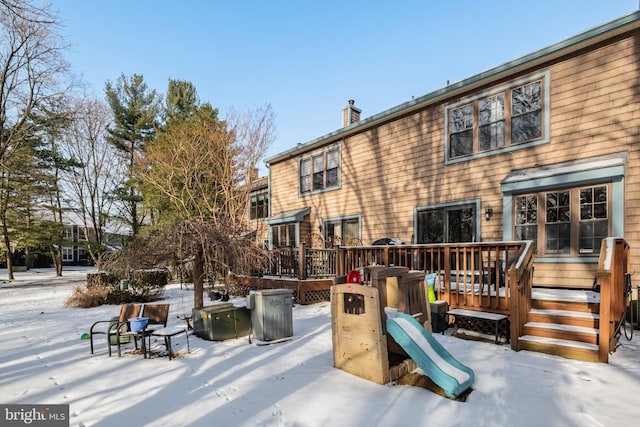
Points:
[(382, 331)]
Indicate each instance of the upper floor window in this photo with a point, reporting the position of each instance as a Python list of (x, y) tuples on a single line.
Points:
[(526, 113), (491, 122), (68, 233), (499, 120), (259, 207), (319, 172)]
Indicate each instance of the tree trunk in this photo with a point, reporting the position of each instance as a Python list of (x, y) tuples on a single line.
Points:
[(7, 248), (57, 262), (28, 258), (198, 279)]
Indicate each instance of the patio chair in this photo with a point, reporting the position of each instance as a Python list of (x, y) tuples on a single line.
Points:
[(113, 325), (157, 314)]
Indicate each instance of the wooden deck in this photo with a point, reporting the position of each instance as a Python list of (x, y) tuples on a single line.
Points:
[(494, 277)]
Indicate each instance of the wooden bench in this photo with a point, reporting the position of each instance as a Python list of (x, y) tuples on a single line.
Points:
[(464, 316)]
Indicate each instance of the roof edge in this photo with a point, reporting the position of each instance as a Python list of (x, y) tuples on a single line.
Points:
[(581, 40)]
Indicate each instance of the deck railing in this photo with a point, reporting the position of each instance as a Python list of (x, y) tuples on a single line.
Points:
[(283, 262), (474, 276), (521, 276), (613, 265), (317, 263), (470, 275)]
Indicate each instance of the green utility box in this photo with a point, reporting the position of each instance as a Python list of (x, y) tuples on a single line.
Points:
[(271, 313), (221, 322)]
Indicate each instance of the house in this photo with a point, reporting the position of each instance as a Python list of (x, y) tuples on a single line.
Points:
[(75, 250), (545, 148)]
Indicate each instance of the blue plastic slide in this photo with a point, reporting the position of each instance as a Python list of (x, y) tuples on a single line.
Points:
[(452, 376)]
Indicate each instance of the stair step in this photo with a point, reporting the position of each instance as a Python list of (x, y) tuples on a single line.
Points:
[(565, 295), (560, 331), (548, 304), (558, 342), (564, 317), (565, 313), (558, 347), (564, 328)]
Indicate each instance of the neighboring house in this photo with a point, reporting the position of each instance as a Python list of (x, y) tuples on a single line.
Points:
[(75, 251), (75, 245), (545, 147)]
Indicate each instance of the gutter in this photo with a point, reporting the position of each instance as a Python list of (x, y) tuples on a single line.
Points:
[(590, 37)]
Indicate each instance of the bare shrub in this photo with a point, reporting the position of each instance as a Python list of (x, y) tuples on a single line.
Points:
[(101, 279), (84, 297)]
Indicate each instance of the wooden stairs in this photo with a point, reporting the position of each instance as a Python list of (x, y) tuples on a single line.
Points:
[(564, 323)]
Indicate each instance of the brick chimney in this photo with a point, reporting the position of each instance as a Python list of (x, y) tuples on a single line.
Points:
[(350, 114)]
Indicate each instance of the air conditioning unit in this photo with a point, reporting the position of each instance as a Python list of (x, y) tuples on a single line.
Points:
[(271, 313)]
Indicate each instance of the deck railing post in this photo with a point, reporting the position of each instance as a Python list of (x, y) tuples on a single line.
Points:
[(387, 262), (612, 283), (340, 260), (514, 305), (447, 275), (302, 262), (603, 279)]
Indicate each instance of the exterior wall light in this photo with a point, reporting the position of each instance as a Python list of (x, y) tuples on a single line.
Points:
[(488, 213)]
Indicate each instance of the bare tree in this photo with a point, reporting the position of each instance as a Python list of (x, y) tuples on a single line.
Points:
[(253, 132), (31, 73), (25, 10), (91, 187), (199, 169)]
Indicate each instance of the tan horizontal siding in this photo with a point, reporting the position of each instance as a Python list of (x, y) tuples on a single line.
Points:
[(577, 275), (399, 165)]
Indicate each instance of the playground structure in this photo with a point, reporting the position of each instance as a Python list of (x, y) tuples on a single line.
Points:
[(382, 332)]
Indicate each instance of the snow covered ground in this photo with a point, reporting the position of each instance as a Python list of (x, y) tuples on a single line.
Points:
[(234, 383)]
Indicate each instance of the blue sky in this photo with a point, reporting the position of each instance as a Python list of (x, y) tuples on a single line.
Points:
[(307, 59)]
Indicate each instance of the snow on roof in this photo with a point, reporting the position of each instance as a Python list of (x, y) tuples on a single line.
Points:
[(564, 168)]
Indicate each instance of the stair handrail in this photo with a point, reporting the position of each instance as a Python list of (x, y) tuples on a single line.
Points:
[(520, 283), (613, 264)]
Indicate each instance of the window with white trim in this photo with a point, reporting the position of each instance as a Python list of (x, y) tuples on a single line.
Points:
[(67, 254), (68, 233)]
